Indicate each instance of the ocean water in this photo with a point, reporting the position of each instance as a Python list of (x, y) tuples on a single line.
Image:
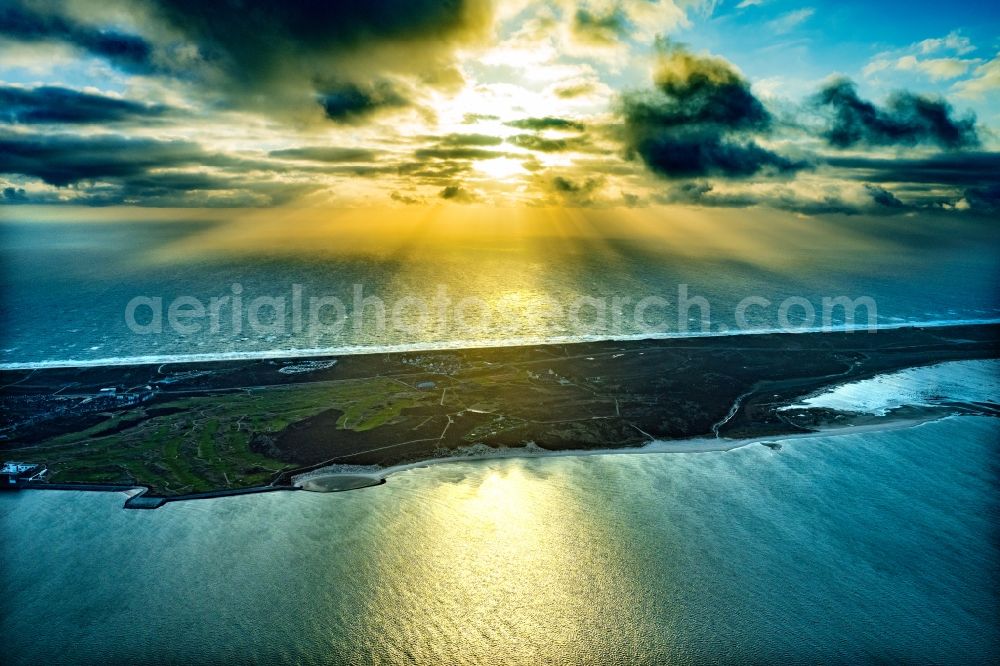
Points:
[(921, 386), (857, 548), (869, 547), (66, 281)]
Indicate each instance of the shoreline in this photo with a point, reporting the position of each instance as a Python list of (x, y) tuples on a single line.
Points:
[(139, 500), (236, 428), (362, 350), (692, 445)]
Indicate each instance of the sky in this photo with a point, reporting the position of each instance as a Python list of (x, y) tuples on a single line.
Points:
[(821, 107)]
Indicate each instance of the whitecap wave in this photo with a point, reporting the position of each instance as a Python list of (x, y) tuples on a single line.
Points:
[(353, 350)]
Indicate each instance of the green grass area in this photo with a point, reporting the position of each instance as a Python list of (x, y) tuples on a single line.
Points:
[(370, 412), (206, 445), (206, 440)]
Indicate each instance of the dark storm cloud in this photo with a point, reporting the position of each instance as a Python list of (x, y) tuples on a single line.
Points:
[(63, 159), (270, 54), (433, 173), (197, 189), (541, 144), (113, 170), (708, 154), (185, 190), (703, 193), (273, 55), (331, 154), (535, 142), (700, 120), (451, 156), (907, 120), (547, 144), (54, 104), (703, 90), (458, 194), (66, 159), (248, 39), (546, 123), (561, 184), (129, 52), (600, 28), (955, 169), (470, 140), (971, 175), (350, 102), (953, 182), (15, 195), (884, 197), (406, 199), (575, 192), (571, 90), (985, 199)]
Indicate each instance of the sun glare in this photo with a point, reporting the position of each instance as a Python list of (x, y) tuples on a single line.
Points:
[(501, 168)]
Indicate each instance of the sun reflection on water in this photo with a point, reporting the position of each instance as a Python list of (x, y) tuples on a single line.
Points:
[(508, 563)]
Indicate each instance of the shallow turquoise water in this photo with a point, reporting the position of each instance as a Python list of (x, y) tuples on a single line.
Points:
[(845, 549)]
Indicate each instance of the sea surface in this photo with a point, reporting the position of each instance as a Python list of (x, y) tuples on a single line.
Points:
[(66, 280), (872, 547), (864, 547), (923, 386)]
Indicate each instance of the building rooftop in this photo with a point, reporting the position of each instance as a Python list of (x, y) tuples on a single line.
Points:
[(17, 467)]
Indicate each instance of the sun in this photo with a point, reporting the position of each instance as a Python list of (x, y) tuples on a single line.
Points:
[(501, 168)]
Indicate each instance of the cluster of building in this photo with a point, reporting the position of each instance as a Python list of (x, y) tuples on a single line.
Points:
[(26, 411), (16, 474)]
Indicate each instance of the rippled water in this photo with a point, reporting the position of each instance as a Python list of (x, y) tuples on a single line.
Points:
[(65, 284), (841, 549)]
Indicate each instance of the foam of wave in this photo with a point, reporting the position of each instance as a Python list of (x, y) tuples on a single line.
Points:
[(973, 381), (294, 353)]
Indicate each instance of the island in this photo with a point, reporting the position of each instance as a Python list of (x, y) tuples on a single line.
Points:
[(197, 429)]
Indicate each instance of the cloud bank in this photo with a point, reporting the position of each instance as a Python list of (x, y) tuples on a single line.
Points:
[(907, 119), (483, 102), (700, 120)]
